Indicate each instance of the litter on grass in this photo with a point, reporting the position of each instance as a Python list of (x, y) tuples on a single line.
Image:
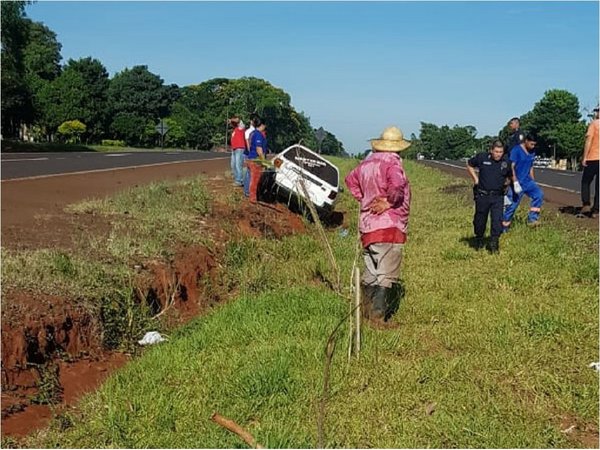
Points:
[(151, 337)]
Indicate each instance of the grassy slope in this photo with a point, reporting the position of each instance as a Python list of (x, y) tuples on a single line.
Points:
[(497, 345)]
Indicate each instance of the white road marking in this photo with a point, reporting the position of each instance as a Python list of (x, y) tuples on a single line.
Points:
[(37, 177), (449, 164), (556, 187), (24, 159), (115, 155), (541, 184)]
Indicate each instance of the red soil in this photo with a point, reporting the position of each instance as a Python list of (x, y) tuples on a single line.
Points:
[(42, 329)]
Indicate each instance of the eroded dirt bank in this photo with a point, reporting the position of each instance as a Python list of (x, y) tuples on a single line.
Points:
[(53, 348)]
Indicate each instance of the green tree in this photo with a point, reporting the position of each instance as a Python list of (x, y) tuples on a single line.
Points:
[(136, 96), (175, 137), (16, 101), (202, 110), (72, 130), (130, 127), (569, 138), (551, 118), (41, 58), (416, 148), (447, 143), (332, 146), (79, 92)]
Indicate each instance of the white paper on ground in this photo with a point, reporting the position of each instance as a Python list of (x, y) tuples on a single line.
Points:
[(151, 337)]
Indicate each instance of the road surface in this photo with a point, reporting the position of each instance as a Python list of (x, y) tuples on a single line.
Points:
[(565, 180), (31, 165)]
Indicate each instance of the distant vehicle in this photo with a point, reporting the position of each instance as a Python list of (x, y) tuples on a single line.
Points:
[(542, 162), (303, 175)]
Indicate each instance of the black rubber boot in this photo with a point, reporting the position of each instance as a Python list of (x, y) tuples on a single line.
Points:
[(379, 303), (494, 245), (367, 291), (394, 297)]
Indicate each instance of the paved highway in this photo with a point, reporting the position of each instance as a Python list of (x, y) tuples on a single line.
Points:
[(565, 180), (37, 165)]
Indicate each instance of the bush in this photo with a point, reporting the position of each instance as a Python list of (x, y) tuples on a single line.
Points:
[(72, 130), (113, 143)]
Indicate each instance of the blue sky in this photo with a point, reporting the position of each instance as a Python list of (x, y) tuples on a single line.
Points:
[(353, 67)]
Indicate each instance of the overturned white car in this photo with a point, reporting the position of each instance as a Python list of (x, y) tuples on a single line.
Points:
[(302, 174)]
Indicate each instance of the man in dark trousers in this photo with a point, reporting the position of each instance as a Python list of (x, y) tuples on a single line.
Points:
[(489, 185), (589, 161), (516, 134)]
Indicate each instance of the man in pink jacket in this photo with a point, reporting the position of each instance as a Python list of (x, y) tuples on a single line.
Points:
[(380, 185)]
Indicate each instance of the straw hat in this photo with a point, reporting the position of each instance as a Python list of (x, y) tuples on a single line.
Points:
[(391, 140)]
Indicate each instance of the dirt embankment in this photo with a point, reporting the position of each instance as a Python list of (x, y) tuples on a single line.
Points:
[(52, 347)]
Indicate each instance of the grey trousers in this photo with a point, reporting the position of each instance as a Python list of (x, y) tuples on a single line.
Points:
[(382, 264)]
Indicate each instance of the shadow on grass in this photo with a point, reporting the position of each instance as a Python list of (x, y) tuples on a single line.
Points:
[(473, 243), (575, 211)]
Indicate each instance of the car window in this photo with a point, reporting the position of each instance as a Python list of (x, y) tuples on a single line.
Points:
[(313, 164)]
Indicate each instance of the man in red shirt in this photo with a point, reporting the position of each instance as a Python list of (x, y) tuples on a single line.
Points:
[(238, 146)]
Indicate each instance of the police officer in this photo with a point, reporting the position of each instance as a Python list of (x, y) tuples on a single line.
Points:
[(489, 185), (516, 137)]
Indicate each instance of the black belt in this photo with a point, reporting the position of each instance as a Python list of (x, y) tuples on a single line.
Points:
[(484, 192)]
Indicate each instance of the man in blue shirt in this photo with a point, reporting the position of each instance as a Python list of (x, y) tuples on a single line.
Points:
[(257, 151), (522, 157)]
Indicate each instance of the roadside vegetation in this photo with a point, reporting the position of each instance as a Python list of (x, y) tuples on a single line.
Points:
[(145, 224), (490, 351)]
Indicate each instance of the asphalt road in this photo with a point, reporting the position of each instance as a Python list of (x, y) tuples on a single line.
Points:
[(561, 188), (565, 180), (35, 165)]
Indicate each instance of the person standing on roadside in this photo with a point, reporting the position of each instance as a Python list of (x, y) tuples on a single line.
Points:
[(516, 136), (522, 157), (489, 186), (382, 189), (238, 147), (589, 162), (256, 154), (249, 131)]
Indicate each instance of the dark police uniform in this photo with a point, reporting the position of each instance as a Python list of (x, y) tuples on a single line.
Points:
[(517, 138), (489, 194)]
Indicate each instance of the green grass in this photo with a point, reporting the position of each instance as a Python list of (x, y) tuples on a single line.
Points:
[(497, 345)]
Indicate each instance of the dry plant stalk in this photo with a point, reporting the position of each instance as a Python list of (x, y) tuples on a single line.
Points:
[(329, 352), (357, 303), (322, 236), (171, 289), (236, 429)]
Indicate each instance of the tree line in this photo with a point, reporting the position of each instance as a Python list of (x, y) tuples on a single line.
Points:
[(45, 101), (555, 120)]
